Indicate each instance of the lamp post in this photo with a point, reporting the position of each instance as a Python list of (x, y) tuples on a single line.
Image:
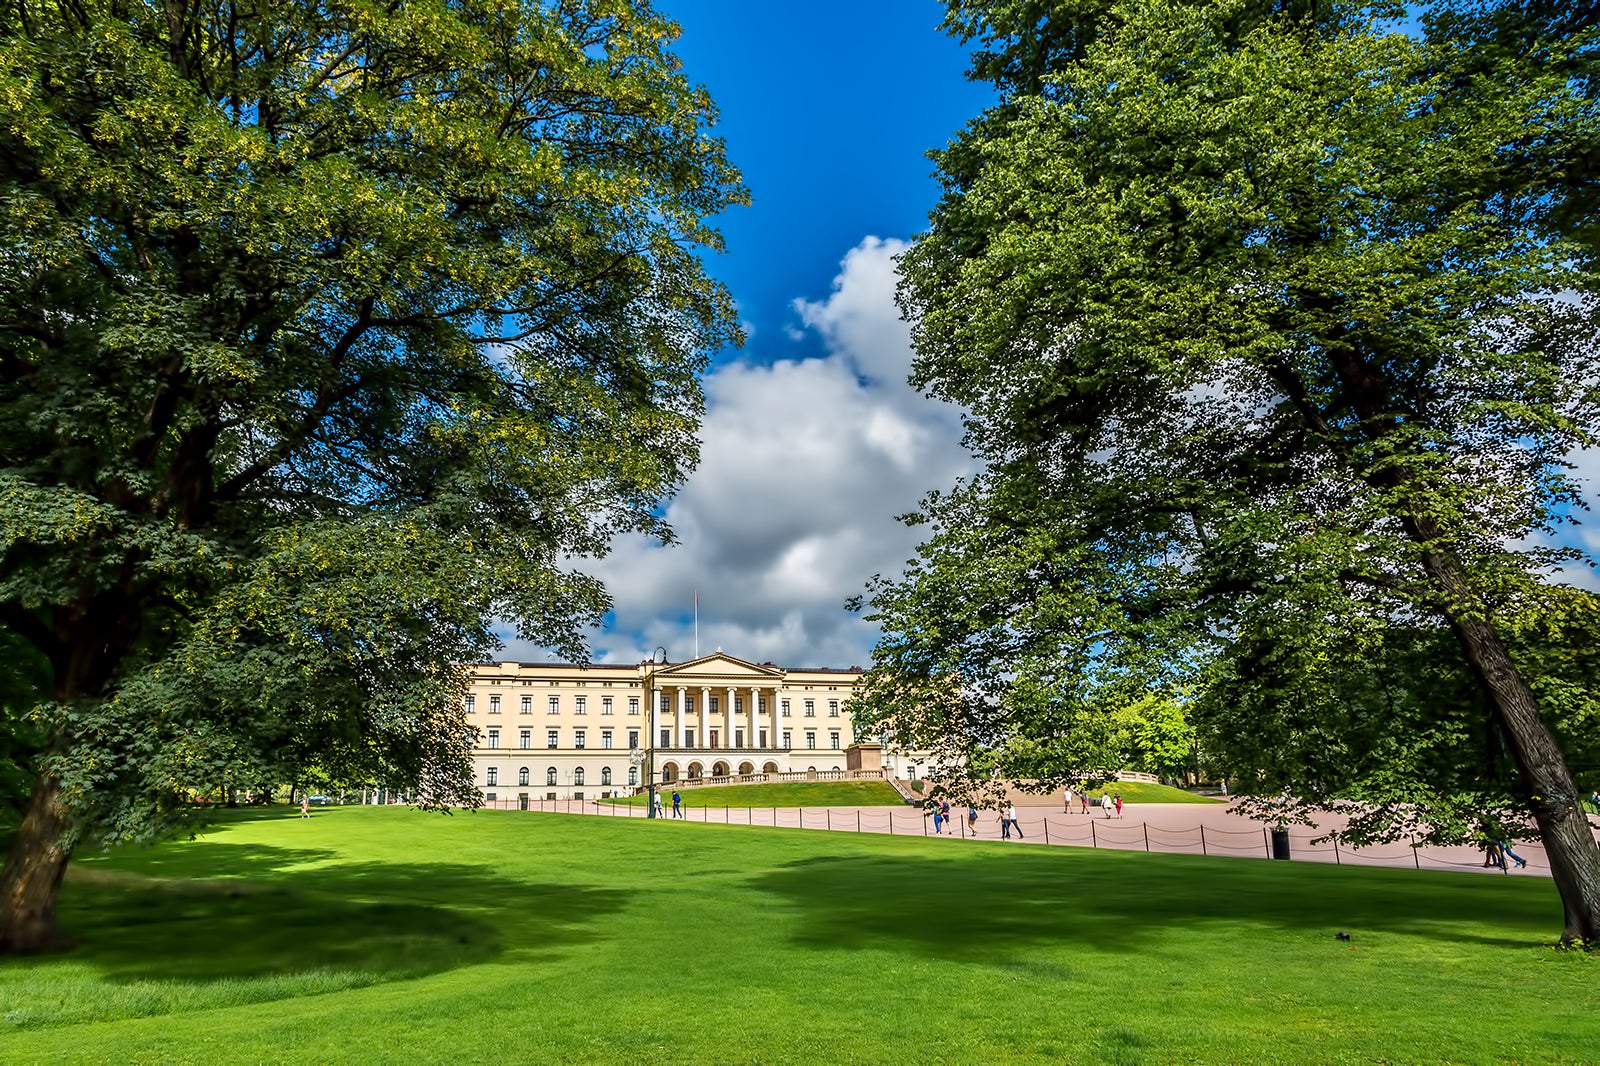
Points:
[(650, 738)]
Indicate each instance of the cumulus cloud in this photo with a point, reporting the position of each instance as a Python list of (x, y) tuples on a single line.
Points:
[(804, 466)]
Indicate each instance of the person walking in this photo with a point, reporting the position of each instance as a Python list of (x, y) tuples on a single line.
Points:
[(972, 819), (677, 805), (1507, 853), (305, 805), (938, 820), (1083, 801), (1011, 814), (1119, 805), (1005, 826), (1066, 801), (1105, 803)]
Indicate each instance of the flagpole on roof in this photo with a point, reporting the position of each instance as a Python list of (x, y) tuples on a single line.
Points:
[(697, 623)]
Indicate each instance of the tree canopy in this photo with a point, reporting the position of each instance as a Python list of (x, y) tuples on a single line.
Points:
[(1274, 326), (331, 332)]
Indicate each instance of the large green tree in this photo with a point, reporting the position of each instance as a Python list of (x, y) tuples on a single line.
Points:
[(331, 331), (1271, 320)]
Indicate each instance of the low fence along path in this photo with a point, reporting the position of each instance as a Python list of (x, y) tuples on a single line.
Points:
[(1170, 828)]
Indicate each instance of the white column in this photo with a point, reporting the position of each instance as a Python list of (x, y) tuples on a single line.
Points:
[(703, 717), (755, 718), (683, 715)]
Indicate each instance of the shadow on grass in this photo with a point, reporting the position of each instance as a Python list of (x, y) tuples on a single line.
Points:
[(984, 906), (253, 916)]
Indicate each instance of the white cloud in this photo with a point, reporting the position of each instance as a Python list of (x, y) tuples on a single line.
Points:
[(804, 466)]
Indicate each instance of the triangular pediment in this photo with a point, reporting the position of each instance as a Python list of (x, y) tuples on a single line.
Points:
[(717, 666)]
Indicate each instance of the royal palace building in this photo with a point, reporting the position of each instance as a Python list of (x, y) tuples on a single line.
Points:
[(564, 731)]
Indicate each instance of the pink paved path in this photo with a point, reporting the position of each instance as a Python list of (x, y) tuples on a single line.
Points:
[(1176, 828)]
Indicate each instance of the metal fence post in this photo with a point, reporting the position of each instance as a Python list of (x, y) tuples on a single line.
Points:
[(1203, 850), (1146, 826)]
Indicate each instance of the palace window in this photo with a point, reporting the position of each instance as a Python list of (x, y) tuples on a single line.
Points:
[(666, 704), (522, 776), (494, 775), (633, 775), (577, 738), (788, 739), (555, 704), (633, 739), (811, 738), (494, 738), (833, 708), (582, 705), (738, 705), (527, 705), (633, 704), (605, 742), (472, 701), (833, 739), (525, 738), (550, 777), (811, 708), (688, 738), (605, 775), (494, 704), (577, 776), (713, 701), (666, 738), (552, 738), (605, 704), (785, 707)]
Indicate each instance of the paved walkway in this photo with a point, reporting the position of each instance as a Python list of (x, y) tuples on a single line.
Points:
[(1176, 828)]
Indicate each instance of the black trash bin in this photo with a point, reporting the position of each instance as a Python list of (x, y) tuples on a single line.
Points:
[(1280, 843)]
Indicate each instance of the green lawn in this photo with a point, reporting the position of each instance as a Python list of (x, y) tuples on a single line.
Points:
[(1142, 792), (782, 794), (377, 935)]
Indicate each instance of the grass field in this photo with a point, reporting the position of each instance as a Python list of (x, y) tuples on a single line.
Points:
[(378, 935), (1144, 792), (783, 794)]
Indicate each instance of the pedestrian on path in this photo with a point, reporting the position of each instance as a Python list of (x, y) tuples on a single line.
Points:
[(938, 820), (1011, 814), (1507, 853), (661, 808), (677, 805), (1083, 800), (972, 819), (1066, 804), (1005, 826), (305, 805), (1119, 805), (1105, 803)]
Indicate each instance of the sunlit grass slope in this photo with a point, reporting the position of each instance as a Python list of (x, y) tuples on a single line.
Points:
[(783, 794), (373, 935)]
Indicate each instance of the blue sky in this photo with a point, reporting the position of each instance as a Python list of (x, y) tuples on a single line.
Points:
[(828, 109), (812, 443)]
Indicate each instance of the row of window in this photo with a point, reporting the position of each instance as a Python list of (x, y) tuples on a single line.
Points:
[(580, 738), (788, 738), (492, 776), (552, 738), (580, 705)]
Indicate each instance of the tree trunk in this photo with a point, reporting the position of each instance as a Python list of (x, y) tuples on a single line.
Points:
[(33, 874), (1553, 795)]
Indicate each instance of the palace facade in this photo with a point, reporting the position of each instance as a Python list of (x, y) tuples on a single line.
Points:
[(563, 731)]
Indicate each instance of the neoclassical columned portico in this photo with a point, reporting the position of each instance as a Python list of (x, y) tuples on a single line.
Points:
[(723, 716)]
